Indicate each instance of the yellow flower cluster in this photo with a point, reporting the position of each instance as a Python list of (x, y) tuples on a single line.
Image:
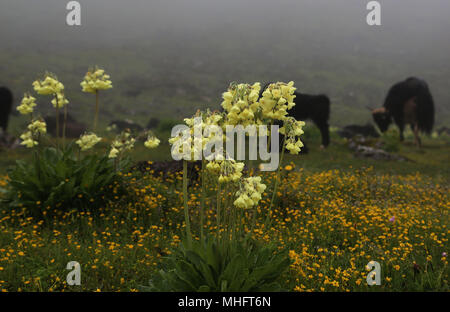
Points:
[(241, 104), (27, 105), (28, 140), (35, 128), (188, 143), (152, 142), (49, 86), (38, 126), (60, 100), (293, 129), (277, 99), (250, 193), (123, 142), (244, 107), (229, 170), (87, 141), (96, 80)]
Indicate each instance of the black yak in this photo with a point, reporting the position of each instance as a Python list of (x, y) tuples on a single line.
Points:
[(6, 101), (407, 102), (312, 107)]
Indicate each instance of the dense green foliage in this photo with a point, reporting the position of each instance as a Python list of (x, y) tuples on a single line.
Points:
[(221, 265), (55, 178)]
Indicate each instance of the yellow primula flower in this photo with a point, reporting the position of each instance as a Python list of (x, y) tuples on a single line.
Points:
[(249, 193), (27, 139), (122, 143), (38, 126), (87, 141), (48, 86), (62, 100), (96, 80), (27, 105), (276, 100), (113, 153), (152, 142), (292, 129)]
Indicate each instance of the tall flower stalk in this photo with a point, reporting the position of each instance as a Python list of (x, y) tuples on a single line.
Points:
[(51, 86), (242, 106), (186, 208), (94, 81), (275, 188), (97, 108), (202, 201)]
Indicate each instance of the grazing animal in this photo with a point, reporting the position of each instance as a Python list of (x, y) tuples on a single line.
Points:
[(312, 107), (6, 101), (407, 102)]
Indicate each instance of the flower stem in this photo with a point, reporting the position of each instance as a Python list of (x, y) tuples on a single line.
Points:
[(275, 188), (218, 209), (64, 126), (57, 121), (96, 110), (185, 201), (202, 201)]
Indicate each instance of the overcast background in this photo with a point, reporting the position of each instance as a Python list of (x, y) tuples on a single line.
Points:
[(169, 57)]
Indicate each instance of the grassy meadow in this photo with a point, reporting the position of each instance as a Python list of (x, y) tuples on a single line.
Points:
[(334, 214), (328, 212)]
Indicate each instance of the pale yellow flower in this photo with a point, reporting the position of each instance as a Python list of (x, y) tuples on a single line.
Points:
[(152, 142), (48, 86), (87, 141), (96, 80), (27, 105)]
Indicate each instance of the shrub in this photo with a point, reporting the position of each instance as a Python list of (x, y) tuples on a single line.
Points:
[(67, 177), (390, 141), (56, 178)]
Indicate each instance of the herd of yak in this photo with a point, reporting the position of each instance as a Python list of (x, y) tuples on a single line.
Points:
[(407, 103)]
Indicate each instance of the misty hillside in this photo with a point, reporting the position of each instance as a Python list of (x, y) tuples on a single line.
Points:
[(168, 58)]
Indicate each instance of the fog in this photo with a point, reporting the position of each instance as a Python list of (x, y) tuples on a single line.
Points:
[(112, 21), (325, 46)]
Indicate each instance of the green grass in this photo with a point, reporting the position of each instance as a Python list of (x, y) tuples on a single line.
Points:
[(432, 160), (332, 214)]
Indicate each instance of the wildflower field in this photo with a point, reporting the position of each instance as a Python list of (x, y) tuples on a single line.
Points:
[(312, 225), (333, 223)]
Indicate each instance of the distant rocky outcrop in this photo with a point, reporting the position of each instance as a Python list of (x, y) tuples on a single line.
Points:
[(364, 148), (153, 123), (351, 131), (121, 125), (8, 141), (444, 130)]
